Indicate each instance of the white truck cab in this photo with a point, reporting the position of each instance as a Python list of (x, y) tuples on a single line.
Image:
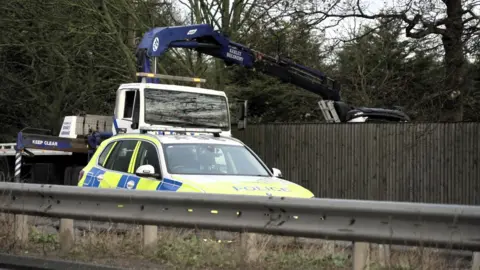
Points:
[(166, 106)]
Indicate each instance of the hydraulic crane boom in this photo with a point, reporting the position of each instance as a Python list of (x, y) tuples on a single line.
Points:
[(204, 39)]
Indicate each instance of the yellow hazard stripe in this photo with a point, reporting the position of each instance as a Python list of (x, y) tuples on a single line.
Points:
[(110, 180), (147, 184)]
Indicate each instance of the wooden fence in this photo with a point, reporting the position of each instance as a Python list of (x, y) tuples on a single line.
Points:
[(418, 162)]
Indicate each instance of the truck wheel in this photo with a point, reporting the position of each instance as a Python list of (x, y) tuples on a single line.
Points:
[(42, 173), (75, 173), (4, 170), (67, 176), (70, 177)]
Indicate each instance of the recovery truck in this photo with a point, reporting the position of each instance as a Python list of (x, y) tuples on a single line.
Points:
[(40, 157)]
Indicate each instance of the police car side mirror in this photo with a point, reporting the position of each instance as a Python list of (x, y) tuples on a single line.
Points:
[(146, 171), (277, 173)]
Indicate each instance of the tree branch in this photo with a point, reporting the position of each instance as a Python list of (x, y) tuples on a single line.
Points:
[(427, 27)]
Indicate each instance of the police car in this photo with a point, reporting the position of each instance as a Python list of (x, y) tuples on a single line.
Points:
[(184, 163)]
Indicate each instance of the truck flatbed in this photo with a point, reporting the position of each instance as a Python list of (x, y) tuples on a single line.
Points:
[(8, 149)]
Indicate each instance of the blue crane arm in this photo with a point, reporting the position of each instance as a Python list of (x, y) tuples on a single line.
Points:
[(204, 39)]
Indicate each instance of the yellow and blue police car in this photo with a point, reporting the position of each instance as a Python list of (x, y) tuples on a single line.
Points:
[(184, 163)]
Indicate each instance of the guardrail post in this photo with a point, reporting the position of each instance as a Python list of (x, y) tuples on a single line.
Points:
[(150, 235), (249, 246), (21, 229), (476, 261), (361, 256), (384, 255), (66, 234)]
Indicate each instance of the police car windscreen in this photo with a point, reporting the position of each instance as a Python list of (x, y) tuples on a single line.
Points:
[(212, 159), (185, 109)]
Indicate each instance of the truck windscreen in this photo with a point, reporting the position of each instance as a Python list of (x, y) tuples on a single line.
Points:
[(168, 107)]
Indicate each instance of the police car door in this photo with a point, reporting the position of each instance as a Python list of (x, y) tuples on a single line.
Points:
[(112, 171), (147, 154)]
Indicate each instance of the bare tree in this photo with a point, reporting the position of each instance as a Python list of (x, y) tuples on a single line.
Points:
[(455, 22)]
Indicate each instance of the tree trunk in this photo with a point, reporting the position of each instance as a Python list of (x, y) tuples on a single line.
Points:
[(455, 64)]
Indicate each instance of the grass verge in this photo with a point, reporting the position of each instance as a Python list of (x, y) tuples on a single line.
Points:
[(189, 249)]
